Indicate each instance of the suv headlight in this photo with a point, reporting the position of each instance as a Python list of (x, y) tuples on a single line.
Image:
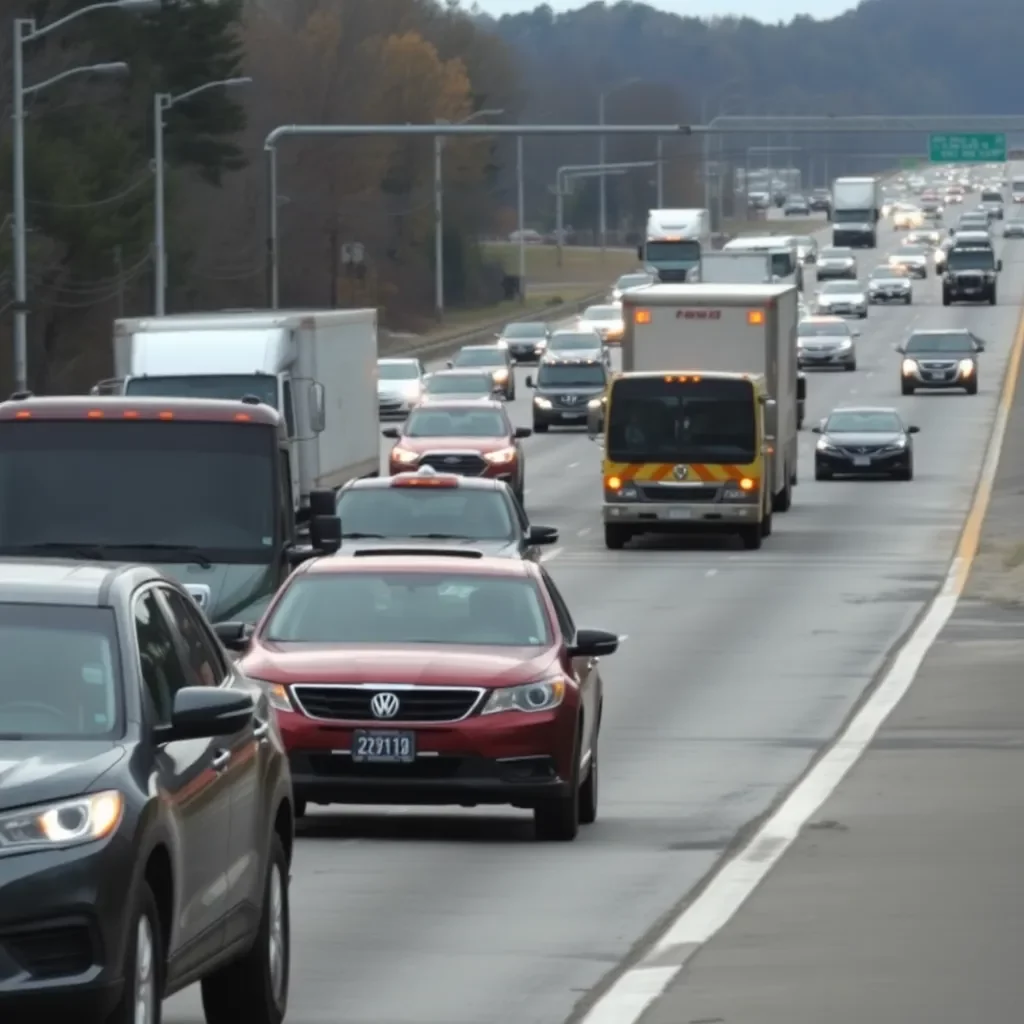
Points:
[(544, 695), (404, 456), (541, 402), (500, 457), (82, 819), (909, 366)]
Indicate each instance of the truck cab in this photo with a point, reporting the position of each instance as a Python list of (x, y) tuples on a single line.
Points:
[(786, 265), (200, 488), (674, 242)]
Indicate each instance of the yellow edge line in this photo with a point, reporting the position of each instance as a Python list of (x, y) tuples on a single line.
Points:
[(970, 537)]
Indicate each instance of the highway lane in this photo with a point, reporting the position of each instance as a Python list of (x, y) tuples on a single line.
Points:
[(737, 668)]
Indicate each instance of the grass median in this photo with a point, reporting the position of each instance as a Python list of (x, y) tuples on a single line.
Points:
[(579, 264)]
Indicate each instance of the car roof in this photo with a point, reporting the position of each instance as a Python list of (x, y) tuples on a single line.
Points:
[(398, 359), (974, 237), (866, 408), (917, 332), (824, 320), (425, 560), (384, 483), (466, 403), (460, 371), (62, 581), (96, 407), (481, 348), (576, 332)]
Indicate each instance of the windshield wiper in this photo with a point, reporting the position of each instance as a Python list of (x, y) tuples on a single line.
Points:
[(437, 536), (73, 549), (363, 536), (188, 552)]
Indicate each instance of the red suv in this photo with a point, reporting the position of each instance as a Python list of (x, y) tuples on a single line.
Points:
[(467, 438), (434, 678)]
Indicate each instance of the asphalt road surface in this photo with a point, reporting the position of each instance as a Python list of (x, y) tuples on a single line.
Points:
[(737, 668)]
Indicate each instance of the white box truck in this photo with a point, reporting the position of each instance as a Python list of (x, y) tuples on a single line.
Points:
[(727, 328), (736, 267), (317, 368), (783, 250), (856, 211)]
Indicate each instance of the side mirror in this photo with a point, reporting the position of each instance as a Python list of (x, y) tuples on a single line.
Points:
[(999, 265), (202, 712), (901, 348), (593, 422), (529, 382), (450, 363), (322, 502), (522, 432), (390, 432), (325, 534), (593, 643), (913, 430), (855, 334), (979, 346), (815, 430), (317, 408), (801, 388), (542, 535), (235, 636)]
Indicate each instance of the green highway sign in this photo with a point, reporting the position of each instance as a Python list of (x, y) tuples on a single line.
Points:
[(967, 148)]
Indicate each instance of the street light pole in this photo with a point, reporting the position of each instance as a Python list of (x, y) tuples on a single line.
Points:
[(162, 102), (602, 159), (26, 31), (521, 215), (661, 172)]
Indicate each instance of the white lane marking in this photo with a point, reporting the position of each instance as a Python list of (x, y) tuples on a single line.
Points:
[(573, 465), (735, 881), (548, 555), (583, 532)]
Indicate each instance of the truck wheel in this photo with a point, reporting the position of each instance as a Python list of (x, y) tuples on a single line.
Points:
[(946, 298), (909, 299), (751, 536), (992, 297), (616, 537), (540, 428), (766, 525), (784, 499)]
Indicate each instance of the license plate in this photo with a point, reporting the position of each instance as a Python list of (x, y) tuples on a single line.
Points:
[(934, 376), (679, 513), (383, 746), (572, 415), (861, 461)]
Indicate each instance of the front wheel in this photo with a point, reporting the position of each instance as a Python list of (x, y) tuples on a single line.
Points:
[(947, 299), (540, 428), (849, 367), (143, 968), (616, 537), (992, 297), (906, 389)]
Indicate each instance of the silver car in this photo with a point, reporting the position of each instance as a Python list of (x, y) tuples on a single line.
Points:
[(399, 387), (578, 344), (638, 280), (1014, 228), (837, 261), (842, 298), (889, 284), (605, 320), (826, 342), (913, 259)]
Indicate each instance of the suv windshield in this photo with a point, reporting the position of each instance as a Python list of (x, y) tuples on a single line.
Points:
[(459, 384), (856, 422), (412, 512), (573, 342), (410, 608), (975, 257), (571, 375), (991, 197), (60, 675), (955, 342), (480, 357), (433, 422), (707, 420)]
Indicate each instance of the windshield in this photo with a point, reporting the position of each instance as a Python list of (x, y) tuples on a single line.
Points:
[(840, 288), (602, 313), (810, 329), (887, 274), (480, 357), (632, 281), (129, 485), (398, 371), (390, 608), (705, 421), (783, 264), (852, 216), (60, 673), (953, 342), (573, 342), (687, 252), (570, 375), (459, 384), (863, 422), (835, 254), (411, 512), (974, 258), (260, 386), (910, 252), (428, 422), (537, 330), (991, 197), (804, 242)]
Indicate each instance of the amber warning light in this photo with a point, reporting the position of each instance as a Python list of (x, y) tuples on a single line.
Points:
[(642, 316), (755, 317)]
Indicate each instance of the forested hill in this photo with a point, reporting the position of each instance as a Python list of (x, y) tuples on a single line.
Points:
[(887, 56)]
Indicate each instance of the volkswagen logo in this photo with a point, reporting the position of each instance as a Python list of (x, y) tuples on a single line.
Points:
[(680, 472), (384, 705)]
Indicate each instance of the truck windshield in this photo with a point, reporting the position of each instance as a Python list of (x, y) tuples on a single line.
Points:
[(683, 252), (852, 216), (653, 420), (139, 490), (975, 258), (783, 264), (234, 388)]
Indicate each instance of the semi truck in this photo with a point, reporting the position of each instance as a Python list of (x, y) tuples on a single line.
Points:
[(856, 211), (736, 267), (317, 368), (700, 428), (200, 488), (674, 243)]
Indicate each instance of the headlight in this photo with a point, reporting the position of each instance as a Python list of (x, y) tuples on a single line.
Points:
[(909, 366), (542, 403), (501, 375), (966, 367), (596, 403), (540, 696), (276, 694), (501, 343), (66, 823), (845, 344), (826, 446), (404, 456), (501, 456)]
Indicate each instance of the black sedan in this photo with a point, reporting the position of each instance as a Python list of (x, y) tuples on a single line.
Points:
[(525, 340), (141, 771), (864, 442), (427, 509)]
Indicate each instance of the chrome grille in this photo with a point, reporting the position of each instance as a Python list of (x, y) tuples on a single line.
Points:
[(351, 703), (461, 463)]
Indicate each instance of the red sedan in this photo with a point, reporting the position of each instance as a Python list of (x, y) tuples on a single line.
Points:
[(435, 679)]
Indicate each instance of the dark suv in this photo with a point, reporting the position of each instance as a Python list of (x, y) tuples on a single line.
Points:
[(146, 821), (970, 270), (564, 390)]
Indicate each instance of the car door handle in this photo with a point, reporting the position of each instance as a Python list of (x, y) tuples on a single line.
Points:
[(220, 762), (261, 730)]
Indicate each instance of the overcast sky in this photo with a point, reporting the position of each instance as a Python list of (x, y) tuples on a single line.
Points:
[(764, 10)]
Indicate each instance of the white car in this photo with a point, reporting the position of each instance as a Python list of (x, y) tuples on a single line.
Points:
[(842, 298), (638, 280), (577, 344), (906, 217), (399, 387), (605, 320)]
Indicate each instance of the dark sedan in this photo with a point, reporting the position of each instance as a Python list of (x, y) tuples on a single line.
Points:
[(526, 341), (146, 814), (864, 442), (431, 509)]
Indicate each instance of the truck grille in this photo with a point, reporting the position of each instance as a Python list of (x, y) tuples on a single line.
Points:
[(462, 463), (670, 492), (416, 704)]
